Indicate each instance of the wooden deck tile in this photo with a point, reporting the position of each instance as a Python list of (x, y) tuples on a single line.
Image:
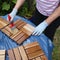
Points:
[(16, 34), (23, 53)]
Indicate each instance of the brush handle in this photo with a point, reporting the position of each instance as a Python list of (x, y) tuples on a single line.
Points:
[(12, 24)]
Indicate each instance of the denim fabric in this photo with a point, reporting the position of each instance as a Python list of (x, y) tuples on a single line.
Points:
[(44, 42)]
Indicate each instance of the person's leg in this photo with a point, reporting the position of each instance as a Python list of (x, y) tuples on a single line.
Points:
[(37, 18), (51, 29)]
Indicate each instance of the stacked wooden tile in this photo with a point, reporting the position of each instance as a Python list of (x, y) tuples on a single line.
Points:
[(24, 30), (2, 54), (30, 51)]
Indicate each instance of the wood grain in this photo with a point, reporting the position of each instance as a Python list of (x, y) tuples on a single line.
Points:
[(23, 54), (31, 45), (33, 52), (23, 38), (11, 55), (28, 29), (17, 54), (33, 49), (38, 58), (2, 54), (19, 36), (16, 34), (21, 25), (43, 57)]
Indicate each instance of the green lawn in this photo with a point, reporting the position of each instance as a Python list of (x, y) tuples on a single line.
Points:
[(56, 51)]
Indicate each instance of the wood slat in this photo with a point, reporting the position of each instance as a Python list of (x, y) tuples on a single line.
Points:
[(13, 36), (2, 54), (32, 59), (18, 22), (14, 31), (11, 55), (35, 54), (23, 38), (1, 26), (28, 29), (21, 25), (30, 26), (23, 54), (43, 57), (19, 36), (38, 58), (3, 23), (2, 19), (31, 45), (8, 29), (33, 49), (6, 32), (14, 54), (17, 54), (2, 57)]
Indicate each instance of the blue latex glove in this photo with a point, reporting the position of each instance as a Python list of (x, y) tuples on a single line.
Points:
[(40, 28), (11, 16)]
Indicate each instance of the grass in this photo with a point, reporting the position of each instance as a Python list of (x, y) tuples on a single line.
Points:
[(56, 51)]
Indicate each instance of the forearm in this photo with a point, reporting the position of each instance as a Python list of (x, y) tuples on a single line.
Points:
[(53, 16), (19, 4)]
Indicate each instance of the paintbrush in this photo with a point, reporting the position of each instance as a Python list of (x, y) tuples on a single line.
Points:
[(12, 25)]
